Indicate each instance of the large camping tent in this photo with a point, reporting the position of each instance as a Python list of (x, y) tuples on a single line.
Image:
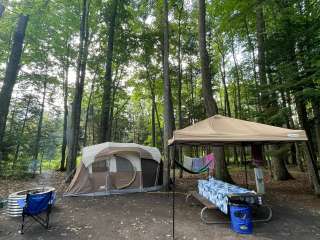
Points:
[(113, 168)]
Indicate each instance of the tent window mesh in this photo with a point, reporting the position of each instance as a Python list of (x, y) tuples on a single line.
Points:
[(99, 166), (123, 164)]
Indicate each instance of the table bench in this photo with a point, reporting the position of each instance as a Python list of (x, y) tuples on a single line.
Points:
[(207, 206), (219, 195)]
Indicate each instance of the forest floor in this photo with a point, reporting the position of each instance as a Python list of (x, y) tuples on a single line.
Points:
[(149, 215)]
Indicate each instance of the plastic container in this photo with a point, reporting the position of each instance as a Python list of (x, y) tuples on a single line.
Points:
[(241, 218), (3, 203)]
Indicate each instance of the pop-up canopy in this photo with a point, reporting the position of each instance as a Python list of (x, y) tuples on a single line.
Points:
[(220, 129)]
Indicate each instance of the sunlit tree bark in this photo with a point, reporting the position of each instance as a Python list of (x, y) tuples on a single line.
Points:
[(12, 70)]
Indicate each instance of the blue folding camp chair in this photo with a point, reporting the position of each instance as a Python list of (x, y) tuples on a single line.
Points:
[(34, 205)]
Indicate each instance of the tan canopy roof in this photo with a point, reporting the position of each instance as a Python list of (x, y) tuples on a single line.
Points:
[(220, 129)]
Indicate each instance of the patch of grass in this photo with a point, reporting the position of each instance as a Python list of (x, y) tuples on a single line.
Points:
[(51, 164), (54, 164)]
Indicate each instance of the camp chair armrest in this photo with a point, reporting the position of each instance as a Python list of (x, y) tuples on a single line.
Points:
[(21, 203)]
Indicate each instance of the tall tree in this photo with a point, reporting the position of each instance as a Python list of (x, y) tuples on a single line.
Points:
[(77, 100), (180, 7), (300, 101), (25, 117), (169, 125), (40, 122), (89, 107), (268, 101), (260, 27), (107, 85), (65, 88), (209, 102), (222, 51), (238, 92), (12, 70)]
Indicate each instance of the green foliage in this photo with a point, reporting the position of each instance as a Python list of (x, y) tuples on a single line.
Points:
[(51, 48)]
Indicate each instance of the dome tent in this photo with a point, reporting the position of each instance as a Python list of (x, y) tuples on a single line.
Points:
[(114, 168)]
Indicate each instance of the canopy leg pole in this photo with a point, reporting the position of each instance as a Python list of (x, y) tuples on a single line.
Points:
[(173, 192), (168, 173), (245, 164)]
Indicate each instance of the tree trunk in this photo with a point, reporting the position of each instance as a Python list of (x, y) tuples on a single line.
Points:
[(279, 167), (179, 70), (267, 157), (192, 94), (153, 122), (223, 78), (111, 115), (180, 86), (280, 171), (13, 114), (12, 70), (299, 157), (310, 158), (252, 50), (153, 111), (302, 112), (154, 105), (260, 27), (88, 110), (65, 114), (211, 107), (312, 169), (106, 101), (93, 128), (237, 81), (38, 138), (209, 103), (76, 105), (316, 113), (168, 107), (293, 152), (16, 155)]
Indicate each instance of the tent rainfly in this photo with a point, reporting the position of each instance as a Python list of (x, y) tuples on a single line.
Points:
[(226, 130), (114, 168)]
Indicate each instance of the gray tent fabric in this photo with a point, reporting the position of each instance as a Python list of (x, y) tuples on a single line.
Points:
[(114, 168), (221, 129)]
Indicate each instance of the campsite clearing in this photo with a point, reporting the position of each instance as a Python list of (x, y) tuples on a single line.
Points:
[(148, 215)]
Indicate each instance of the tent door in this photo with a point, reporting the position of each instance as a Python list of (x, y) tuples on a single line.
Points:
[(127, 172), (99, 173)]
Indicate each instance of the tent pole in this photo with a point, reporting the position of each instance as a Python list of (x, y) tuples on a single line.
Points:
[(245, 164), (173, 191), (168, 172)]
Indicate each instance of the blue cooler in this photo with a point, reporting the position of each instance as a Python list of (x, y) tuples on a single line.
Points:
[(241, 218)]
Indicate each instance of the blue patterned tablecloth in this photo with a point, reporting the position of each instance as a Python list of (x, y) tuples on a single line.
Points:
[(217, 192)]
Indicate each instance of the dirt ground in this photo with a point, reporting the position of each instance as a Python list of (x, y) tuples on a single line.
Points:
[(149, 215)]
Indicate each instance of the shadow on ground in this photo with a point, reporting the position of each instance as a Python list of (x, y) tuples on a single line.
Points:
[(149, 216)]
